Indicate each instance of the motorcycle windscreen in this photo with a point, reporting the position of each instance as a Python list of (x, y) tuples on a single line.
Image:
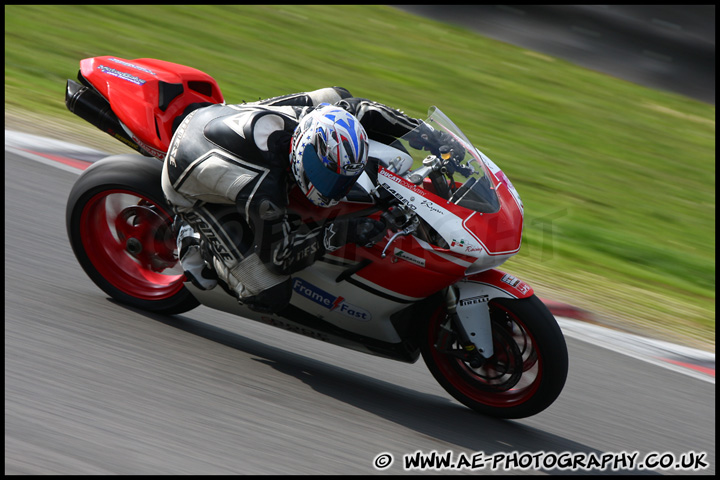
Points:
[(477, 194), (329, 184)]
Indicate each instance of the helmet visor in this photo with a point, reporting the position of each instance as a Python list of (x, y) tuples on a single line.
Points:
[(330, 184)]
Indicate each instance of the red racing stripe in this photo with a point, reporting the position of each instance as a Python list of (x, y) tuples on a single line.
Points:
[(79, 164), (706, 370)]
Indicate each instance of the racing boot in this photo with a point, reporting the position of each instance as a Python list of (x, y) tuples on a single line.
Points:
[(191, 259)]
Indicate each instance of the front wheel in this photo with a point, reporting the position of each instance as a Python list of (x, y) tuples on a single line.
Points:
[(526, 372), (120, 228)]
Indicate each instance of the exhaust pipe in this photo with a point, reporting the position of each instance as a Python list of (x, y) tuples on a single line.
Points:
[(89, 105)]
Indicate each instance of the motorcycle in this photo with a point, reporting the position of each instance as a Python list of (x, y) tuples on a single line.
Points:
[(429, 288)]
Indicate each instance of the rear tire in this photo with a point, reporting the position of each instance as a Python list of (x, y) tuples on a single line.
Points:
[(528, 368), (119, 227)]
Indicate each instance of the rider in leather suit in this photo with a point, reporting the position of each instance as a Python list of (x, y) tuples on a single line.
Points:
[(230, 159)]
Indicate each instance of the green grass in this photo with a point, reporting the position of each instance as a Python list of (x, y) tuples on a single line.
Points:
[(618, 180)]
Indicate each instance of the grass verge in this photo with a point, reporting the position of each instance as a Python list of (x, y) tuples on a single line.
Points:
[(618, 180)]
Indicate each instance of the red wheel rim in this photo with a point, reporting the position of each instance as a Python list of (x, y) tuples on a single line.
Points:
[(127, 239), (474, 384)]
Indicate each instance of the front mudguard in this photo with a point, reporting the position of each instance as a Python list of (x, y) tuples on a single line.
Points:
[(496, 283), (472, 297)]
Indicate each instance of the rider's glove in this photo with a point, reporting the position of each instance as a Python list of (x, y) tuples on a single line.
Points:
[(366, 231), (421, 137), (362, 231), (440, 144)]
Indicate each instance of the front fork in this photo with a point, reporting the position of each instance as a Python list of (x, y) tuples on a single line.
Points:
[(468, 309), (469, 319)]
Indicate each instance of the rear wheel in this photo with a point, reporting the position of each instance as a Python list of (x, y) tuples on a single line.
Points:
[(526, 372), (120, 228)]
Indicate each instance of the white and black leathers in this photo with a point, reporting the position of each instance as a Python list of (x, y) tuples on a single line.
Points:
[(230, 159)]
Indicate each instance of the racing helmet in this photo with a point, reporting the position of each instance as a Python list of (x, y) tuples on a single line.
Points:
[(328, 153)]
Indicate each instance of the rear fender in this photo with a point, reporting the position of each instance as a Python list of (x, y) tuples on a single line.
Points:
[(147, 95), (474, 294)]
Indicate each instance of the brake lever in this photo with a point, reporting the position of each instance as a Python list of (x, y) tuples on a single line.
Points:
[(405, 231)]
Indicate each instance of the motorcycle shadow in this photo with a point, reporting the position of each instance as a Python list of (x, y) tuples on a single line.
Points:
[(438, 417)]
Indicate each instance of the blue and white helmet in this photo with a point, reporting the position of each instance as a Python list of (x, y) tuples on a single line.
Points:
[(328, 154)]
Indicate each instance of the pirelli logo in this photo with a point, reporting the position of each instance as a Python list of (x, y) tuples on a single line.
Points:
[(473, 300)]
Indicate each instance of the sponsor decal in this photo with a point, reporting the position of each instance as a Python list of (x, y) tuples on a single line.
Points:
[(132, 65), (327, 240), (474, 300), (243, 119), (159, 154), (403, 200), (308, 332), (124, 140), (353, 168), (460, 243), (402, 182), (217, 245), (473, 249), (408, 257), (516, 283), (123, 75), (432, 207), (329, 301), (305, 252)]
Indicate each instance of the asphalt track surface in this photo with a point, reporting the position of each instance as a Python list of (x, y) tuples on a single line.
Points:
[(666, 47), (93, 387)]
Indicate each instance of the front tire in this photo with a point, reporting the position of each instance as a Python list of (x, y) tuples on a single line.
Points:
[(528, 368), (119, 226)]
